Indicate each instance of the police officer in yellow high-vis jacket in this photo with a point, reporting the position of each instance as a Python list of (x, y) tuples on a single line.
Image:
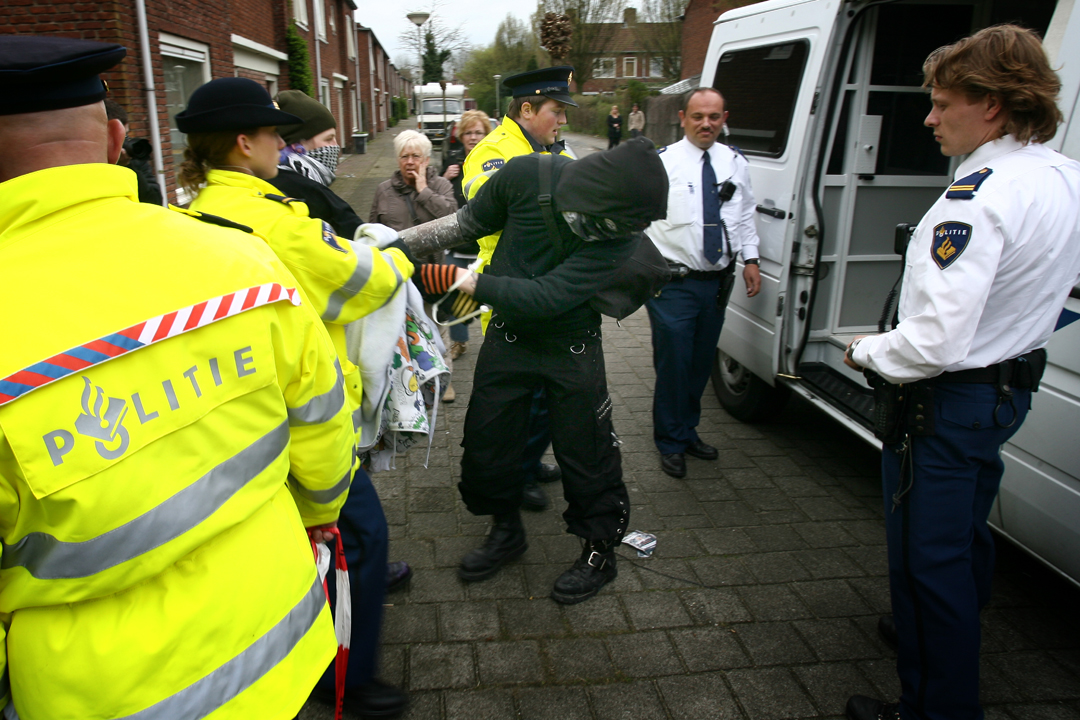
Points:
[(233, 147), (171, 418), (531, 125)]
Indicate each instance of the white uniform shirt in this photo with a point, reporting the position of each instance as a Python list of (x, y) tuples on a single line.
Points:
[(986, 278), (680, 236)]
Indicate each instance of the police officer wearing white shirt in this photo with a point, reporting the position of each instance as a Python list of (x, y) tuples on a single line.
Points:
[(987, 274), (710, 220)]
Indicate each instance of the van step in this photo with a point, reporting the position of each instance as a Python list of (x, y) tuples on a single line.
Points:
[(840, 390)]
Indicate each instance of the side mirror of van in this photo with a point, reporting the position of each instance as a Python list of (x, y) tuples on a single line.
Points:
[(904, 231)]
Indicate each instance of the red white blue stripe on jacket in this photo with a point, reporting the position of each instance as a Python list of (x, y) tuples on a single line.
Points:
[(137, 336)]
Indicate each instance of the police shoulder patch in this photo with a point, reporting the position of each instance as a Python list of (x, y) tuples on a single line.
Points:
[(280, 198), (213, 219), (492, 164), (965, 187), (330, 237), (950, 239), (660, 150)]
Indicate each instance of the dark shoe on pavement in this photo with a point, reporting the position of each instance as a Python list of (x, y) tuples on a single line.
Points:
[(398, 574), (887, 630), (504, 543), (548, 472), (860, 707), (674, 465), (590, 572), (702, 451), (375, 699), (534, 498)]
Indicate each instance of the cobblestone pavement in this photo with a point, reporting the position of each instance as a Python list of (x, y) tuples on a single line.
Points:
[(760, 601)]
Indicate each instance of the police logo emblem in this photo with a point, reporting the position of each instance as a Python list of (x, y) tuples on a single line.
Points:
[(330, 238), (950, 239), (493, 164)]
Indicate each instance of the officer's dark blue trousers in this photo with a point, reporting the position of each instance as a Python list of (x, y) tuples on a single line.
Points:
[(941, 553), (364, 535), (686, 324)]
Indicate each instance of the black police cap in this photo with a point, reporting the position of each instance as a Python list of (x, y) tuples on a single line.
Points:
[(231, 103), (39, 73), (552, 82)]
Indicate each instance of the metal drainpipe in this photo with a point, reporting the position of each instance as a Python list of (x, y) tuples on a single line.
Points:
[(356, 64), (151, 99), (317, 6)]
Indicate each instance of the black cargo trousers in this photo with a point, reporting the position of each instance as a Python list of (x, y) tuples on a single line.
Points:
[(570, 367)]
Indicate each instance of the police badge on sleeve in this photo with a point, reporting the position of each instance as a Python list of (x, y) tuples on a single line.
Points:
[(950, 239)]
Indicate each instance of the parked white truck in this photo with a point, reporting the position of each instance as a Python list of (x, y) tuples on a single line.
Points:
[(826, 102), (438, 108)]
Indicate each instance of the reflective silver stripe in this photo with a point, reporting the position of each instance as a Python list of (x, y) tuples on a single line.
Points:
[(365, 263), (487, 174), (322, 496), (321, 408), (47, 558), (397, 275), (234, 677)]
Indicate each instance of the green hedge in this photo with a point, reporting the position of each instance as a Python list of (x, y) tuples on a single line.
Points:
[(300, 77)]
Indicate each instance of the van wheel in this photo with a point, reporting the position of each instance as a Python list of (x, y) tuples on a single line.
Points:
[(743, 394)]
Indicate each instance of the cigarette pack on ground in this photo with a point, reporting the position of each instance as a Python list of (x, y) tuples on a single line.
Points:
[(644, 543)]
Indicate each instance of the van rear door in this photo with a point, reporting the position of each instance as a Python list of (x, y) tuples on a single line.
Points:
[(767, 60)]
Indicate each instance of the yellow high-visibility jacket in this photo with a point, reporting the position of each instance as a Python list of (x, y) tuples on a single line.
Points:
[(169, 423), (345, 282), (495, 150)]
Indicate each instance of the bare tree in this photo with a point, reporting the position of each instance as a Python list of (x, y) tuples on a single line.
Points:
[(659, 32), (446, 37), (595, 25)]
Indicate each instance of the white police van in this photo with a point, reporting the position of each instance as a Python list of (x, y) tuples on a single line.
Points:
[(826, 102)]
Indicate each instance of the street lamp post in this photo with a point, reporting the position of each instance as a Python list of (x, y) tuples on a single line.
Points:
[(498, 104), (418, 19)]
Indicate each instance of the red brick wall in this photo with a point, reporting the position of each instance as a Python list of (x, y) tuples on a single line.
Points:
[(697, 29)]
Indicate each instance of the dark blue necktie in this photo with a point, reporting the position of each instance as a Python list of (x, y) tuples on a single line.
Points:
[(713, 241)]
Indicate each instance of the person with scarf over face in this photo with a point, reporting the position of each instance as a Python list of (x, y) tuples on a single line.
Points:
[(544, 334), (309, 160)]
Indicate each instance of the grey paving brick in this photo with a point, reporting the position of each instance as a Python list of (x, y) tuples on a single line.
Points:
[(410, 623), (799, 486), (508, 583), (675, 503), (655, 610), (882, 675), (537, 617), (708, 648), (995, 686), (747, 477), (431, 500), (775, 567), (874, 591), (725, 541), (450, 550), (872, 560), (438, 585), (393, 660), (829, 563), (774, 538), (777, 466), (626, 701), (766, 499), (773, 602), (710, 489), (867, 532), (422, 706), (445, 665), (479, 704), (770, 694), (503, 663), (836, 639), (831, 598), (1059, 711), (717, 571), (714, 606), (823, 508), (773, 643), (540, 578), (471, 620), (578, 660), (1038, 675), (644, 654), (697, 697), (677, 544), (730, 514), (553, 703), (660, 574), (831, 684), (601, 614)]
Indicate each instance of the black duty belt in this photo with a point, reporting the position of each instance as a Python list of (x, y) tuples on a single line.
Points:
[(1023, 372), (680, 271)]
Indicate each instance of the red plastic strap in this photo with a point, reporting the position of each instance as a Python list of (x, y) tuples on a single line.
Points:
[(341, 661)]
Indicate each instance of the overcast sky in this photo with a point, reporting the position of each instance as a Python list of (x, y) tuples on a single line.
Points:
[(479, 20)]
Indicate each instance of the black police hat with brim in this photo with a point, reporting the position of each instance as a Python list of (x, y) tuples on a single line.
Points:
[(231, 103), (40, 73), (552, 82)]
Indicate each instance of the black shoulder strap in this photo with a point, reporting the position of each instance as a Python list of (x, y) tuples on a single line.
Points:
[(545, 201)]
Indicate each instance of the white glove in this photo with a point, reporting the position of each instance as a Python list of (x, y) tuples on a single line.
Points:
[(375, 234)]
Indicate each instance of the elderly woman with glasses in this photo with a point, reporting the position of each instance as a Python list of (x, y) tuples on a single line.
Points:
[(415, 193)]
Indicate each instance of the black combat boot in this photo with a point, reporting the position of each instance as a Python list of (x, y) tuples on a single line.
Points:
[(504, 543), (534, 498), (590, 572)]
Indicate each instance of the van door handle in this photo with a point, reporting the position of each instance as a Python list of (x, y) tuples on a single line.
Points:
[(772, 212)]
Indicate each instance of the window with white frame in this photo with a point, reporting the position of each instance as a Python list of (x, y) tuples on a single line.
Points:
[(603, 67), (324, 92), (629, 67), (333, 22), (350, 37), (299, 9), (320, 19), (186, 66), (656, 67)]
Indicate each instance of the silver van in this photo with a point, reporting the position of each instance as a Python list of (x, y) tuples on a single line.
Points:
[(826, 102)]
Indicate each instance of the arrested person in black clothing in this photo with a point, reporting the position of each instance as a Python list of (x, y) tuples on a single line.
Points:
[(544, 335)]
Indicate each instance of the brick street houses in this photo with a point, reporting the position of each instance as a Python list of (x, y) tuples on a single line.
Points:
[(623, 56), (698, 20), (192, 41)]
